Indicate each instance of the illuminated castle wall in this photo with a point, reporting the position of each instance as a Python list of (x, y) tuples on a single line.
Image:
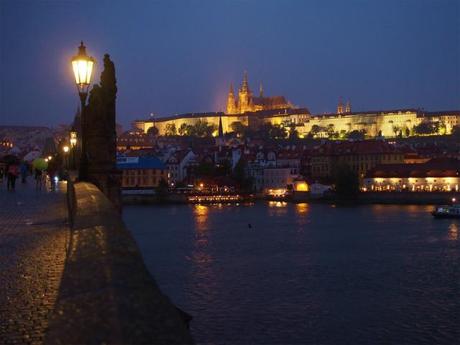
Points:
[(254, 111)]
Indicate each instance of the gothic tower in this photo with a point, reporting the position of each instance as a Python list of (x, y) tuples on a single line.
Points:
[(244, 96), (231, 103), (348, 107), (340, 106)]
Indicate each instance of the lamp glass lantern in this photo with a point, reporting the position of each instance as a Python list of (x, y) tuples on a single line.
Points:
[(83, 66)]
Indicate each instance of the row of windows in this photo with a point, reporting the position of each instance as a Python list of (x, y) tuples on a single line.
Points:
[(144, 172), (140, 181)]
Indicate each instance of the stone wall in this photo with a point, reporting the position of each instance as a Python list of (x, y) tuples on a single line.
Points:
[(106, 294)]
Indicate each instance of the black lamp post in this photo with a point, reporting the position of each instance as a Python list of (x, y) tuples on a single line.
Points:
[(83, 65)]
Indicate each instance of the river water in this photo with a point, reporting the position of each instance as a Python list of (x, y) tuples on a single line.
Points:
[(282, 273)]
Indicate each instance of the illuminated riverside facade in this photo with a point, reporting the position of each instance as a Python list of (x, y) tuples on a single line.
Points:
[(436, 175)]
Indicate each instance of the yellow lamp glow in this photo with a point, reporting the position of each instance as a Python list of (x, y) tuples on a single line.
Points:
[(65, 149), (73, 139), (83, 66)]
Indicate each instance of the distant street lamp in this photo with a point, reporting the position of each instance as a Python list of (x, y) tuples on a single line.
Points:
[(73, 145), (66, 150), (73, 139), (83, 66)]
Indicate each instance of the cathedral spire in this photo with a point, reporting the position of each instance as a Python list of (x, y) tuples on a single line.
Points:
[(348, 107), (261, 90), (340, 106), (245, 86), (231, 102)]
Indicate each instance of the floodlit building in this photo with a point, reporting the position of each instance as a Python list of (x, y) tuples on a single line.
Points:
[(436, 175)]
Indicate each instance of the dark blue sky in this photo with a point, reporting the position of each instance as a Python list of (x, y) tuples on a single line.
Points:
[(180, 56)]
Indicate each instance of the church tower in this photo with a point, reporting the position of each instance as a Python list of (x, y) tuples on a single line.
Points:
[(244, 96), (231, 103), (340, 106), (348, 107)]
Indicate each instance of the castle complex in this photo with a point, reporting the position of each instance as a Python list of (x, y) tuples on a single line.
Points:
[(247, 102), (252, 111)]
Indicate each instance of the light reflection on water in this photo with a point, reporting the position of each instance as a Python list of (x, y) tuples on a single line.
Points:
[(284, 273), (453, 232)]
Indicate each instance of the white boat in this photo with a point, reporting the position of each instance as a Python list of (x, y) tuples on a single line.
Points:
[(447, 211)]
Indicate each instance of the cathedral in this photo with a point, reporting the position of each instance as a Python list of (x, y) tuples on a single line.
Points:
[(247, 102)]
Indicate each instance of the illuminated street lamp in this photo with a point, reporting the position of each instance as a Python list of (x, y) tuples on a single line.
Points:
[(83, 66), (73, 138), (65, 149)]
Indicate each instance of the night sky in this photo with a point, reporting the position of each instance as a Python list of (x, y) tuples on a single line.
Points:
[(180, 56)]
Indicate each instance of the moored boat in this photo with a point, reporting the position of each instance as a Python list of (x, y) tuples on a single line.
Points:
[(447, 211)]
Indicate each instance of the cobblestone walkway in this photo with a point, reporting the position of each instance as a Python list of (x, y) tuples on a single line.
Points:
[(33, 242)]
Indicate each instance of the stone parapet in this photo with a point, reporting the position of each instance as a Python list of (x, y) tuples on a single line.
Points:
[(106, 293)]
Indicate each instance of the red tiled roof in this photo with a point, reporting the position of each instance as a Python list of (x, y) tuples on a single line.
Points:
[(355, 148), (437, 167)]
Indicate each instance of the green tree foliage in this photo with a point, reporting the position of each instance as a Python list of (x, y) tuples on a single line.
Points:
[(269, 131), (426, 128), (201, 129), (170, 129), (346, 181), (152, 131), (239, 175), (315, 130), (293, 133), (357, 135), (238, 128), (183, 129)]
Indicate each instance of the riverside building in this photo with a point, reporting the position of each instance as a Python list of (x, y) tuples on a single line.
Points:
[(436, 175)]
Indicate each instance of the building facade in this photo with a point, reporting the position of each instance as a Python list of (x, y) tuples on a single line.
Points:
[(359, 156), (436, 175), (141, 172)]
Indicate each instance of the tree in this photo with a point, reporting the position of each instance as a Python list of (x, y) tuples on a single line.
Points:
[(315, 130), (162, 190), (238, 128), (183, 129), (330, 130), (152, 131), (442, 128), (357, 135), (346, 181), (239, 175), (407, 131), (426, 128), (293, 133), (277, 132), (170, 129)]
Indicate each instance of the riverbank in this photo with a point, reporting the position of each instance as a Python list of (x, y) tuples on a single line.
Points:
[(388, 198)]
